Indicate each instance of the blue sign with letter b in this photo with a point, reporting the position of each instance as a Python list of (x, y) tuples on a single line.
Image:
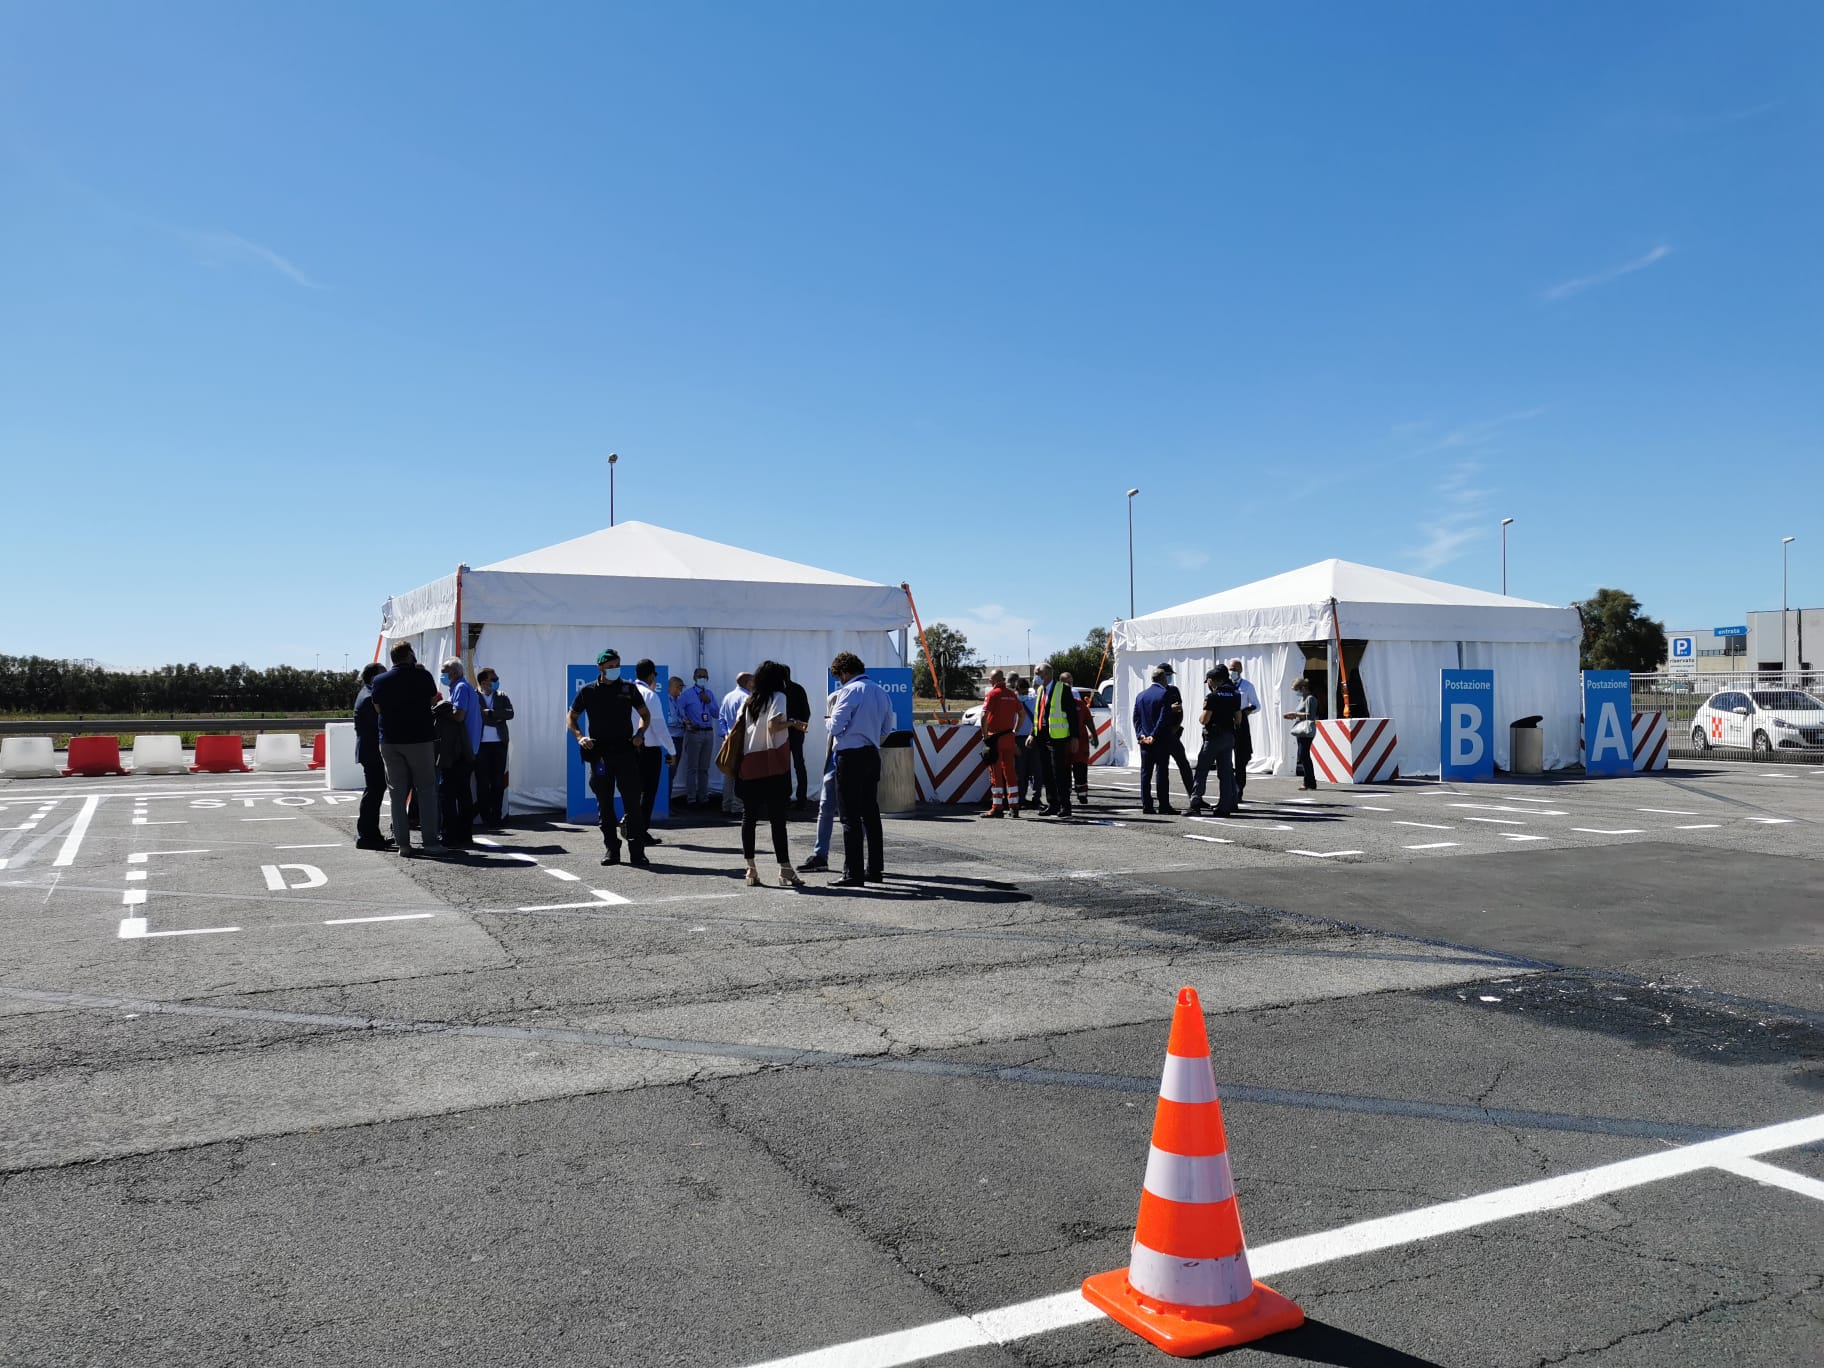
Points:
[(1467, 741), (1608, 722)]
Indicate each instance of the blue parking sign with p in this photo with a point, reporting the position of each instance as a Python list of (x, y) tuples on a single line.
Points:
[(1467, 742), (1608, 722), (1681, 648)]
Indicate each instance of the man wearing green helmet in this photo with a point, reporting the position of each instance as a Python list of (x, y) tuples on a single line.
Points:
[(611, 750)]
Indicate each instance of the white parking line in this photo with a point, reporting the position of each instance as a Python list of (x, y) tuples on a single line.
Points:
[(1213, 840), (1323, 854), (1005, 1324), (1774, 1176), (134, 928), (66, 854), (147, 821), (1435, 845), (603, 898), (1429, 826), (1604, 831), (1496, 807), (1773, 821), (1699, 826), (1521, 836), (1366, 808), (327, 845), (397, 916), (1668, 812), (264, 819), (133, 897), (563, 874), (1498, 821)]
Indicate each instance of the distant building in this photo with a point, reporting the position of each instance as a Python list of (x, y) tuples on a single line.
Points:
[(1750, 647)]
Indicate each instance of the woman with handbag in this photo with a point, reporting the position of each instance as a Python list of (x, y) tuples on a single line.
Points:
[(1304, 727), (764, 775)]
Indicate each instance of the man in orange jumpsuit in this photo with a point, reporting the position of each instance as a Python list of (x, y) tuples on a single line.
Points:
[(1001, 712)]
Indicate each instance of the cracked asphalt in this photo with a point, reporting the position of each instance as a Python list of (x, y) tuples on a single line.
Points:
[(265, 1098)]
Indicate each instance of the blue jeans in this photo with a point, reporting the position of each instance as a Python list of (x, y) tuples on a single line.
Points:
[(826, 809)]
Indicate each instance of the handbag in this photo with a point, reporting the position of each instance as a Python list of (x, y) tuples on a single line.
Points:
[(734, 746), (1304, 727)]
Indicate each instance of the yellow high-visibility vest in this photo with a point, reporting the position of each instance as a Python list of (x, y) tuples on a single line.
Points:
[(1057, 713)]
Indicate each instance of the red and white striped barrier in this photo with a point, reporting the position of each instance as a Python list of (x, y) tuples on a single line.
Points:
[(1103, 750), (1652, 748), (1355, 750), (947, 764)]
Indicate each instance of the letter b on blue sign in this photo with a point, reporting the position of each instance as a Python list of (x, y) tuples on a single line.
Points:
[(1467, 740)]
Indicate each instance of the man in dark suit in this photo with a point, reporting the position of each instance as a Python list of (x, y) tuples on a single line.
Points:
[(373, 768), (491, 754)]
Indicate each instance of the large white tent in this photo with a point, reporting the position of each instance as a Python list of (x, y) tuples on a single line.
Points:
[(1413, 629), (646, 591)]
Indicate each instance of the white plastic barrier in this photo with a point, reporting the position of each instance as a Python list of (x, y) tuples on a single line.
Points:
[(278, 751), (29, 757), (159, 755), (344, 770)]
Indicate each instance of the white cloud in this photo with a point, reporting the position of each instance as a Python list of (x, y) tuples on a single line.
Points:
[(1462, 519), (215, 248), (1577, 284), (1475, 436)]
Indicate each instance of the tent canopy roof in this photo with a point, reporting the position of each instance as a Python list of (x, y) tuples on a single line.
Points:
[(1371, 604), (638, 550), (638, 575)]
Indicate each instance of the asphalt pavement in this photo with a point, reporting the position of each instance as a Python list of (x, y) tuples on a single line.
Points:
[(266, 1098)]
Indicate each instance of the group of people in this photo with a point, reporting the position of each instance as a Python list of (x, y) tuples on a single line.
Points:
[(438, 746), (1037, 736), (1229, 703)]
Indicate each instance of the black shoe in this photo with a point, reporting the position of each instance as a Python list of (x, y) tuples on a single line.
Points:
[(374, 844), (878, 876), (813, 865), (1048, 812), (639, 861), (653, 840), (1148, 812), (846, 882), (1225, 812), (613, 857), (1168, 811), (1197, 807)]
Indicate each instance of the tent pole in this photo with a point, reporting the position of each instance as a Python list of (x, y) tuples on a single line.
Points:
[(930, 663), (461, 654)]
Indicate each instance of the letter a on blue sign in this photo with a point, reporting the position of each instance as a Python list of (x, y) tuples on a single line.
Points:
[(1608, 722), (1467, 742)]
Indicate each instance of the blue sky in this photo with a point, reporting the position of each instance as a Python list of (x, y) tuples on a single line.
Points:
[(303, 304)]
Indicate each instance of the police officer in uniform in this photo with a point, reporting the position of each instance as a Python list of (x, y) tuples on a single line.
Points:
[(1220, 716), (611, 750)]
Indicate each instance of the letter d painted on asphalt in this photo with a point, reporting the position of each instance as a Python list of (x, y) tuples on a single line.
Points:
[(1608, 722), (1467, 740)]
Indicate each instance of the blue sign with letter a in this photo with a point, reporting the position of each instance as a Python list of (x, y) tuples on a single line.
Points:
[(1467, 741), (1608, 722), (579, 798)]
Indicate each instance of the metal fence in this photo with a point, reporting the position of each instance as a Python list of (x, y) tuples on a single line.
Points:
[(1761, 715)]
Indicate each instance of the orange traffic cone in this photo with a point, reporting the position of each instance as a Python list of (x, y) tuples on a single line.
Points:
[(1188, 1288)]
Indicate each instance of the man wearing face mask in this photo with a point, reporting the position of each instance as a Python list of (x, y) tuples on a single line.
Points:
[(491, 754), (611, 751), (1244, 727), (697, 707), (456, 791)]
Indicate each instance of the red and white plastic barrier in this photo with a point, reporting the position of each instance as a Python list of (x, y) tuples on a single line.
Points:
[(947, 764), (1652, 743), (1355, 750), (1102, 750)]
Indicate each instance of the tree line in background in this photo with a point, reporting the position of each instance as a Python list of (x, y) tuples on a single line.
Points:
[(34, 684), (961, 667)]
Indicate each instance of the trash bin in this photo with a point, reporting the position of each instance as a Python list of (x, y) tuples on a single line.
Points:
[(1526, 747), (898, 786)]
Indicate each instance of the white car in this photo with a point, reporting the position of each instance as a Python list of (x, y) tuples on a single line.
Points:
[(972, 717), (1762, 720)]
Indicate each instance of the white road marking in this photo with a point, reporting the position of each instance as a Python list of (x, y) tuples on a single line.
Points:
[(132, 928), (194, 850), (269, 819), (1022, 1320), (66, 854), (606, 896), (1516, 798), (1433, 845), (142, 934), (133, 897), (1429, 826), (277, 883), (1774, 1176), (1699, 826), (1772, 821), (147, 821), (1323, 854), (1521, 836), (1496, 807), (326, 845), (1604, 831), (1365, 808), (563, 874), (1214, 840), (1498, 821), (135, 874), (1668, 812), (397, 916)]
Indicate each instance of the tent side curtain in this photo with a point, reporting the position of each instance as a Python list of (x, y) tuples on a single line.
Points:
[(507, 597), (423, 609), (1360, 621)]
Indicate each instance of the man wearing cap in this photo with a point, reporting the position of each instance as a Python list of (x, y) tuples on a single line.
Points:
[(1244, 728), (697, 707), (1221, 706), (1155, 753), (611, 751)]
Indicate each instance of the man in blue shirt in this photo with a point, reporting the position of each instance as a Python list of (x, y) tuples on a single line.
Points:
[(861, 717), (732, 703), (456, 790), (1152, 731), (697, 708)]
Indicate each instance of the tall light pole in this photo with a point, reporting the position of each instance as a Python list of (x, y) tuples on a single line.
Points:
[(612, 458), (1130, 551), (1785, 548), (1505, 523)]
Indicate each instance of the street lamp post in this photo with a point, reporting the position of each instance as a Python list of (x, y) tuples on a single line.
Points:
[(612, 458), (1130, 551), (1505, 523), (1785, 548)]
